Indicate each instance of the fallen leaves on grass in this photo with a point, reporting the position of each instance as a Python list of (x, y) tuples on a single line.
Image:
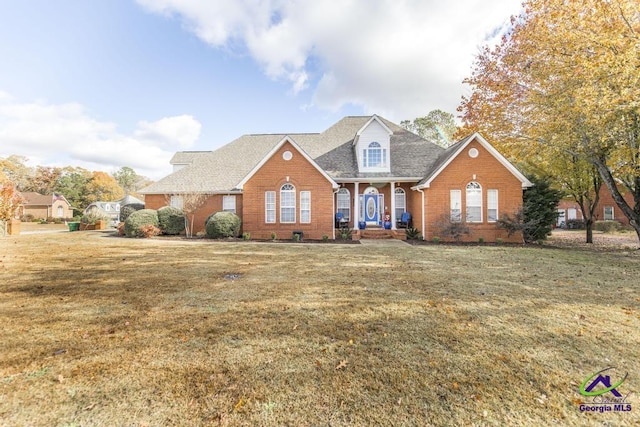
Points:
[(239, 405), (341, 365)]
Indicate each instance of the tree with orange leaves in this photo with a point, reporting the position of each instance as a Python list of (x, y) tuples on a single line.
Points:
[(564, 83), (10, 201), (103, 187)]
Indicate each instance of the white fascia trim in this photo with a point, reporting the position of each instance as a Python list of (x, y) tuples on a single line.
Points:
[(274, 150), (378, 180), (377, 119), (477, 137), (178, 193)]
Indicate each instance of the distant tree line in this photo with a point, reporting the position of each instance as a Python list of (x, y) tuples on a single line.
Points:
[(78, 185)]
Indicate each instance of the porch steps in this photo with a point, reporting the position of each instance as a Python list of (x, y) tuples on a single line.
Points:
[(381, 233)]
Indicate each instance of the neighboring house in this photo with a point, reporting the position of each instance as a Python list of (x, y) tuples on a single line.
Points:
[(112, 209), (45, 206), (606, 210), (363, 168)]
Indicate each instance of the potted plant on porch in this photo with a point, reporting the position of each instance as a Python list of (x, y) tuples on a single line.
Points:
[(387, 219)]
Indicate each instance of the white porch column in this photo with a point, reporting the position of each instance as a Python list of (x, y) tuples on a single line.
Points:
[(356, 205), (393, 205)]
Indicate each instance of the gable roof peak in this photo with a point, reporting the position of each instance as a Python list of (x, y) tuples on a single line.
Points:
[(374, 118), (274, 150), (455, 149)]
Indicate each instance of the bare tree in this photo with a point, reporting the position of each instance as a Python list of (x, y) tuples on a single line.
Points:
[(189, 203)]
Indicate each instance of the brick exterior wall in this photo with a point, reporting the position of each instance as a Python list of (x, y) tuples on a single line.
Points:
[(44, 212), (210, 206), (271, 176), (490, 174), (276, 171), (606, 199)]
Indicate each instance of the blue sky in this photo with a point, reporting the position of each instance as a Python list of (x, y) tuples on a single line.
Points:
[(110, 83)]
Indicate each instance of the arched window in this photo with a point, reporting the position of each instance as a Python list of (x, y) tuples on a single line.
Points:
[(287, 203), (474, 202), (343, 203), (374, 156), (401, 203), (60, 211)]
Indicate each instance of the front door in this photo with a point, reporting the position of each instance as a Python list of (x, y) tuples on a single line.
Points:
[(371, 212)]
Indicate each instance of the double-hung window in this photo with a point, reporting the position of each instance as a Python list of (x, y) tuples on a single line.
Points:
[(177, 202), (608, 213), (305, 207), (270, 207), (229, 203), (401, 203), (492, 205), (287, 204), (474, 202), (343, 203), (455, 205)]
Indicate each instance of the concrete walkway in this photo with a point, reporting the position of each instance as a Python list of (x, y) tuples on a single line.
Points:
[(383, 242)]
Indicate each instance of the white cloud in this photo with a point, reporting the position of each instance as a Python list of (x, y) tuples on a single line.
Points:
[(65, 134), (399, 58), (170, 132)]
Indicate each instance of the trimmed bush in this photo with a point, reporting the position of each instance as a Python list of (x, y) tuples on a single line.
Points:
[(138, 219), (171, 220), (223, 224), (607, 226), (93, 216), (127, 210)]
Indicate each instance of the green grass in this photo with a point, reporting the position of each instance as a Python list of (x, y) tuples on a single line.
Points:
[(154, 334)]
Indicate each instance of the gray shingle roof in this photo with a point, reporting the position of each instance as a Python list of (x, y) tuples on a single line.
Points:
[(185, 157), (221, 170), (443, 158), (37, 199)]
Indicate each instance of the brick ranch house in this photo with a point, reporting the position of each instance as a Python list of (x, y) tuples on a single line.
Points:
[(606, 209), (364, 168), (44, 206)]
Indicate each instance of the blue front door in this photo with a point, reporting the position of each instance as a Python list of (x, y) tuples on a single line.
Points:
[(371, 213)]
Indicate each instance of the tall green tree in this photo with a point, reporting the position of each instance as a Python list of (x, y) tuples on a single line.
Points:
[(73, 185), (438, 126), (565, 80), (538, 214), (127, 178)]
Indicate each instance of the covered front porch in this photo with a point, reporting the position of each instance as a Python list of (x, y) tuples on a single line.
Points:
[(366, 205)]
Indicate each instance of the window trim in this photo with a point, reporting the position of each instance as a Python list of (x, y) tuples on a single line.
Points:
[(269, 207), (489, 204), (380, 153), (344, 192), (227, 198), (455, 199), (177, 202), (604, 212), (305, 207), (288, 190), (473, 186), (400, 191)]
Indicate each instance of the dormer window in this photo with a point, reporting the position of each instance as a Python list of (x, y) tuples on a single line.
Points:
[(374, 156)]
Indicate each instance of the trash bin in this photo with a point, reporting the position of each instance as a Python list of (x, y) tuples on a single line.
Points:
[(73, 226)]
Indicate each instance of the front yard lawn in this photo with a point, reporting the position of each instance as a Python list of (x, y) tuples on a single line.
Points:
[(99, 330)]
